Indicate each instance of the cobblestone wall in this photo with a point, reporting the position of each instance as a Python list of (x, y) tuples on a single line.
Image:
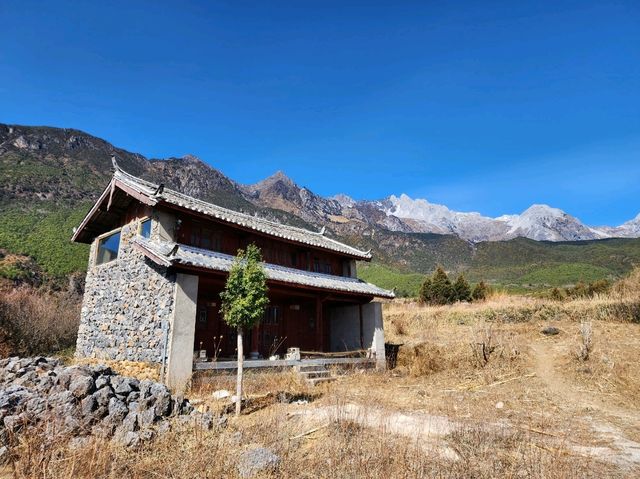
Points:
[(126, 303)]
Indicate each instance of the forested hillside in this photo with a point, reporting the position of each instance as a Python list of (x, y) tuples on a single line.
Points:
[(49, 178)]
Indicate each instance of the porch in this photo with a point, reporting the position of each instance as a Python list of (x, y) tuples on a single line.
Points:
[(328, 329), (286, 363)]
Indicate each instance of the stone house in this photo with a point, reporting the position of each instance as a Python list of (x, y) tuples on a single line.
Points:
[(159, 261)]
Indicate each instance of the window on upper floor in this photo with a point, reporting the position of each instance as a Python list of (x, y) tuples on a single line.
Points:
[(205, 238), (321, 266), (145, 228), (108, 248)]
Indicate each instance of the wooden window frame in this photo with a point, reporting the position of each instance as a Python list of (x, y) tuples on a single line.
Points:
[(94, 259), (142, 220)]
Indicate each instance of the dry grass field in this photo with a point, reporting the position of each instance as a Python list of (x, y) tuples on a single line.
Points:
[(479, 392)]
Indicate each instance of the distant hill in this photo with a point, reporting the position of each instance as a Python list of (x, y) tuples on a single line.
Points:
[(49, 178)]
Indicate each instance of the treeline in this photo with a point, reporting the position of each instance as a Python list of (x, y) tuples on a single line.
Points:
[(438, 289)]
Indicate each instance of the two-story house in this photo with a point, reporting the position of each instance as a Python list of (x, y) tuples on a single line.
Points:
[(159, 260)]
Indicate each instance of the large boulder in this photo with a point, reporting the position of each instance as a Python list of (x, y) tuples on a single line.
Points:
[(257, 460)]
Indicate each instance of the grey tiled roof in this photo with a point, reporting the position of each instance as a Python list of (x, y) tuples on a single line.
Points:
[(271, 228), (176, 254)]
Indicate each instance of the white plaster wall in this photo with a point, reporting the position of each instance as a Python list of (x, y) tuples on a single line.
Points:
[(372, 313), (344, 327), (164, 226), (182, 332)]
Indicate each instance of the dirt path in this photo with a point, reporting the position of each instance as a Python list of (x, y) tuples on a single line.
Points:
[(623, 451), (425, 429), (608, 441)]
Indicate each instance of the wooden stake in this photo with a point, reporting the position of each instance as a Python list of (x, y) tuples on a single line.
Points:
[(310, 431)]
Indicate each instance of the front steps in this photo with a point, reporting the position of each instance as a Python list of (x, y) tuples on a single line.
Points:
[(314, 375)]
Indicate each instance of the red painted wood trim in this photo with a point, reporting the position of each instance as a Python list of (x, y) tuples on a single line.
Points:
[(256, 232)]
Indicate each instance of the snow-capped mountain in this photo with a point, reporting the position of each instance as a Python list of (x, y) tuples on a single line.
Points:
[(538, 222), (630, 229), (402, 213)]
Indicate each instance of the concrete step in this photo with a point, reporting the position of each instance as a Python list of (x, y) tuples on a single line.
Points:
[(315, 381), (315, 374), (311, 368)]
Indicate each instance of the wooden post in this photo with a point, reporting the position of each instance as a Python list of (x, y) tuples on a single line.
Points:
[(319, 329), (240, 371), (361, 327), (255, 340)]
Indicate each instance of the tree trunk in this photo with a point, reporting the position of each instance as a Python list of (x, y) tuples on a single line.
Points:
[(239, 380)]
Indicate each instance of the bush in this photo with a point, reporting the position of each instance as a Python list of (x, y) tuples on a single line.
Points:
[(480, 291), (581, 290), (437, 289), (461, 289), (37, 322)]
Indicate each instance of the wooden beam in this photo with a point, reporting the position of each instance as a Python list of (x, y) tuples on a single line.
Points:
[(256, 232), (366, 297), (136, 194), (361, 327), (319, 330)]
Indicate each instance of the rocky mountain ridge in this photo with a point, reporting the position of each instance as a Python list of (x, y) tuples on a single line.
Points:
[(49, 177), (538, 222), (403, 214)]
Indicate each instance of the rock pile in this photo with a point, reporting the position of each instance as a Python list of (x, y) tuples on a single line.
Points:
[(86, 400)]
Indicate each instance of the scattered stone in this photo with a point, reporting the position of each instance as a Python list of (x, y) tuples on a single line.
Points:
[(4, 455), (128, 439), (117, 409), (102, 381), (81, 386), (103, 396), (257, 460), (499, 405), (88, 405), (550, 331), (221, 394)]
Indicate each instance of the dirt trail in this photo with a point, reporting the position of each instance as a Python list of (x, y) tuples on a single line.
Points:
[(624, 451), (425, 429), (431, 430)]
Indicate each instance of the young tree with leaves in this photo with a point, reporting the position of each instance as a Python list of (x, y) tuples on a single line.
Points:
[(244, 300)]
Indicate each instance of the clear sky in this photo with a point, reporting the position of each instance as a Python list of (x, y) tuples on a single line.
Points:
[(484, 106)]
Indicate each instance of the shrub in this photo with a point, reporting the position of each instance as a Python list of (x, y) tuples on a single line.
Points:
[(586, 340), (556, 294), (438, 289), (461, 289), (34, 321), (480, 291), (584, 290)]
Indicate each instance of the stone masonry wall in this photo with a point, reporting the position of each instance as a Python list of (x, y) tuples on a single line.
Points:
[(127, 302)]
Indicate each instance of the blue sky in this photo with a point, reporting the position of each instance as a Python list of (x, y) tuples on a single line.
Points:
[(485, 106)]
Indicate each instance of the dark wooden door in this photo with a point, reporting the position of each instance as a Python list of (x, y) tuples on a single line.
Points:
[(207, 328), (270, 332), (301, 326)]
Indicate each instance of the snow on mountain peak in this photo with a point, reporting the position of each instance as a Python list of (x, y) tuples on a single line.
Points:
[(345, 200), (541, 210), (539, 222)]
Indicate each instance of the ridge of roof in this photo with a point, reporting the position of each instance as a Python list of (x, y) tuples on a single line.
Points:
[(172, 254), (271, 228)]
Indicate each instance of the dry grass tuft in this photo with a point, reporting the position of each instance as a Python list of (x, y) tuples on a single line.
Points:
[(37, 322)]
